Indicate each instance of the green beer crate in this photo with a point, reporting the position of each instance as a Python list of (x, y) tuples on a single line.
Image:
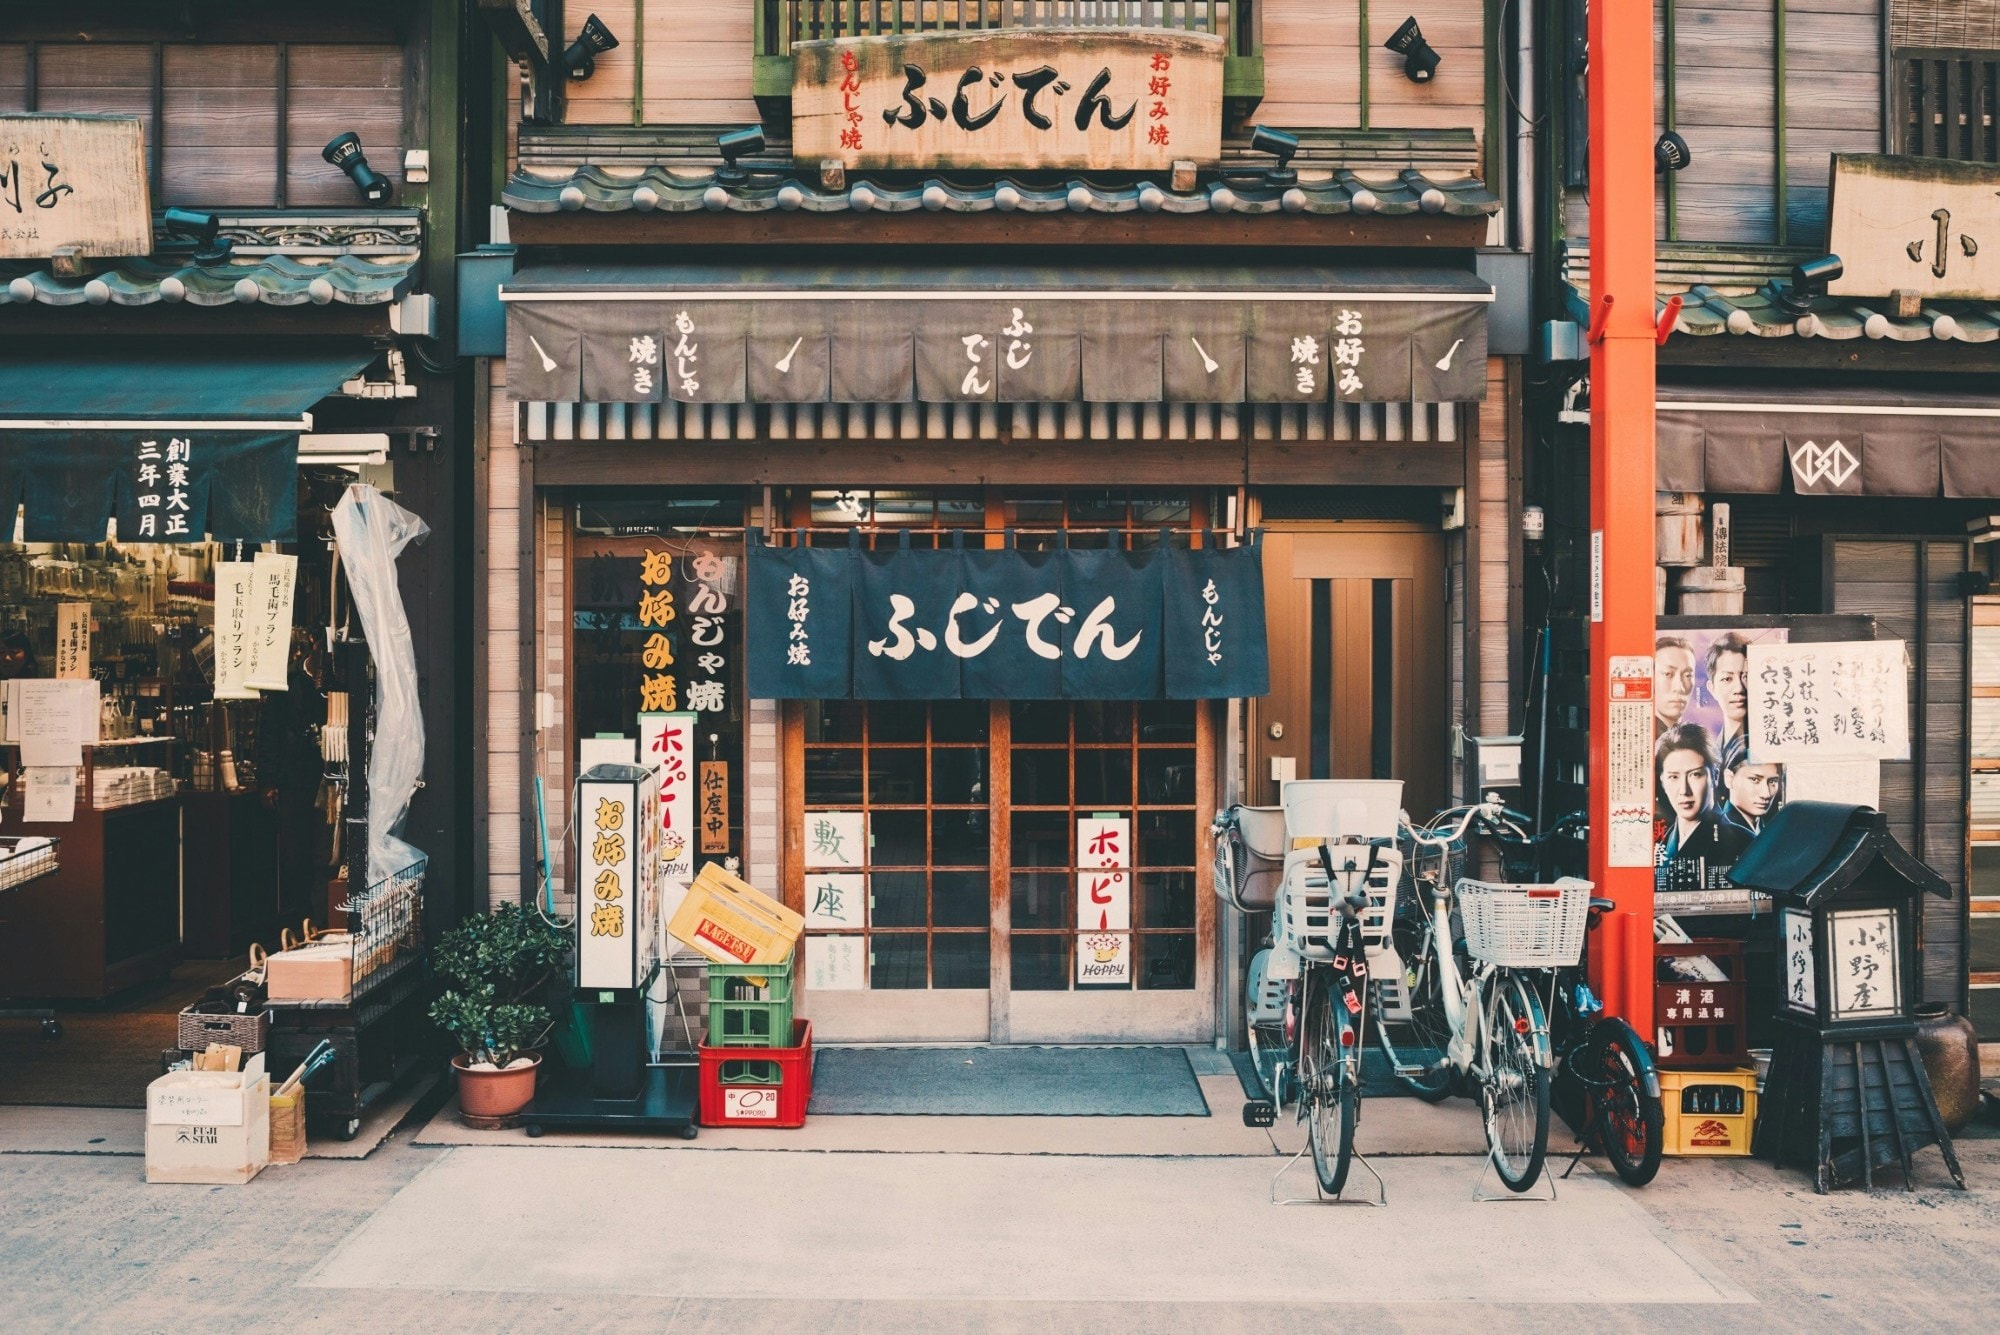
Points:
[(750, 1005)]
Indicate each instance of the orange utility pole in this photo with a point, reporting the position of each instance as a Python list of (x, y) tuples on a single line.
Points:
[(1621, 501)]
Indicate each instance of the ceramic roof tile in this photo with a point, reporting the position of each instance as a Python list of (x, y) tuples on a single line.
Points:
[(271, 280)]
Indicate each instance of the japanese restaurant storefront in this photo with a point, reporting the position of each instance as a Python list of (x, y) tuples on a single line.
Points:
[(986, 532)]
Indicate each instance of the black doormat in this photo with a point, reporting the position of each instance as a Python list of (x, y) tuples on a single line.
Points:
[(1006, 1082)]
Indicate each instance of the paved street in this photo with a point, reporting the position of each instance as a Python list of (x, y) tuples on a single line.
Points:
[(544, 1237)]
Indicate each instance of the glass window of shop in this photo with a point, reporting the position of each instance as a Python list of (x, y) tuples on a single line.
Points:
[(974, 812), (656, 626)]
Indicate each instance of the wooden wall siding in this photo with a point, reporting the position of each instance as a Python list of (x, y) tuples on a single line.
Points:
[(13, 77), (1881, 578), (335, 89), (219, 145), (552, 742), (220, 107), (1312, 66), (1962, 24), (500, 711), (696, 63), (1725, 80), (762, 790), (1494, 495)]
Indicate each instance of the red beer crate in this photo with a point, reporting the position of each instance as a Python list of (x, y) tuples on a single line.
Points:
[(1700, 1021), (758, 1086)]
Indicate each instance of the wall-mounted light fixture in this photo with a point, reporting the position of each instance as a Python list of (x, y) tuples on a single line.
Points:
[(744, 143), (580, 60), (1280, 145), (1809, 281), (1420, 58), (345, 153), (201, 228), (1671, 153)]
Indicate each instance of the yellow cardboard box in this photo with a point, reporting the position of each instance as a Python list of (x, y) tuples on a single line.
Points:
[(730, 921)]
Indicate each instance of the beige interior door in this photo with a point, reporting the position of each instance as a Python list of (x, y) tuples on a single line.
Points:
[(1358, 663)]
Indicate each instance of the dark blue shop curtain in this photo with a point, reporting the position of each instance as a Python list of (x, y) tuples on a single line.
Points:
[(906, 623), (163, 486)]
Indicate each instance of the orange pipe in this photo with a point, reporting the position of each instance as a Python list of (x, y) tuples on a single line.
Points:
[(1621, 477)]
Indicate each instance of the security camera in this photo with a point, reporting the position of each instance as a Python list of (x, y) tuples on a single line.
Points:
[(1420, 59), (344, 152), (580, 59), (1809, 280)]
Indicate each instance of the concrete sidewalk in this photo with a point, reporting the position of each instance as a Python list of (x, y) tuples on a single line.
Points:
[(563, 1238)]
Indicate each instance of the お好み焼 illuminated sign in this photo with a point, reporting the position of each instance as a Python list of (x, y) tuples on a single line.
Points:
[(1099, 99)]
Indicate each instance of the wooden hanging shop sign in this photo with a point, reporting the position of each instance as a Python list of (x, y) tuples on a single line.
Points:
[(75, 184)]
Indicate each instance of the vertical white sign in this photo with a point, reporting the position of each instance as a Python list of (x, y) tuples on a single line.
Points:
[(1597, 574), (666, 745), (272, 575), (233, 581), (605, 909), (836, 839), (72, 641), (1630, 761), (1865, 968), (1801, 991), (836, 963), (1104, 959), (1103, 875), (836, 901)]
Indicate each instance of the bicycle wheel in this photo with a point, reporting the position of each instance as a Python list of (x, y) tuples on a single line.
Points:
[(1267, 1056), (1329, 1099), (1514, 1090), (1630, 1120), (1416, 1046)]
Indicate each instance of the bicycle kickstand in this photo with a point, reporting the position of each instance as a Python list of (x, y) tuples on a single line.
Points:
[(1479, 1192), (1319, 1196)]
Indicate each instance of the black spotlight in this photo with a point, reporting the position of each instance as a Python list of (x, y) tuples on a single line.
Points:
[(203, 229), (1280, 145), (738, 144), (1671, 153), (1809, 280), (345, 153), (1420, 59), (580, 60)]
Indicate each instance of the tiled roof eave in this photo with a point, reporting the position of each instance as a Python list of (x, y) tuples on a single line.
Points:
[(271, 280)]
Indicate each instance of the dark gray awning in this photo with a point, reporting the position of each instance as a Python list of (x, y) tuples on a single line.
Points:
[(1829, 442), (179, 444), (802, 334)]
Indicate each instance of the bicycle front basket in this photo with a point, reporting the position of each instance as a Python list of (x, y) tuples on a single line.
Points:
[(1525, 926)]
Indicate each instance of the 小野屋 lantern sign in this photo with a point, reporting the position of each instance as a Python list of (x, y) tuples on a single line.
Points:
[(1100, 99)]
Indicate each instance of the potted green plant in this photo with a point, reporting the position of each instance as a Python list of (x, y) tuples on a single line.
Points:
[(497, 968)]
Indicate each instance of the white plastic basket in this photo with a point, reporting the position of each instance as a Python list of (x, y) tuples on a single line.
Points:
[(1342, 808), (1308, 924), (1525, 926)]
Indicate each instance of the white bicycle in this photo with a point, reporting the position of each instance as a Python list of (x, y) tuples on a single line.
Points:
[(1448, 1021)]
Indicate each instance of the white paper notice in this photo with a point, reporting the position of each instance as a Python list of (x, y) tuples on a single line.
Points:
[(51, 794), (1856, 783), (836, 839), (1104, 959), (271, 581), (233, 581), (1103, 885), (50, 727), (1630, 777), (72, 641), (1840, 701), (836, 900), (836, 963), (666, 744)]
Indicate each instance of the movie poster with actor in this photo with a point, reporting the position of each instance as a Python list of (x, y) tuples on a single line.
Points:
[(1711, 797)]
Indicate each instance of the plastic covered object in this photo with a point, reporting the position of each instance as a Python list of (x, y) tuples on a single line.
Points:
[(371, 531)]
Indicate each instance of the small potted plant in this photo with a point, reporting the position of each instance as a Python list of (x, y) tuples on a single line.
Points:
[(497, 968)]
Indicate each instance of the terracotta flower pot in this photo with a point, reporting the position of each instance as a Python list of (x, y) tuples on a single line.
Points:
[(495, 1093)]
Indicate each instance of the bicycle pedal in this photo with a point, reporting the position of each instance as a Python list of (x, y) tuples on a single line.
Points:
[(1260, 1112)]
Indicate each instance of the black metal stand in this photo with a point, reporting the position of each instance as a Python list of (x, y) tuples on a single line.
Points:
[(1845, 1105), (620, 1089)]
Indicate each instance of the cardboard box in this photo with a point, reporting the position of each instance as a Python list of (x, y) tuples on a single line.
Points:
[(210, 1127), (288, 1126), (730, 921), (322, 971)]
